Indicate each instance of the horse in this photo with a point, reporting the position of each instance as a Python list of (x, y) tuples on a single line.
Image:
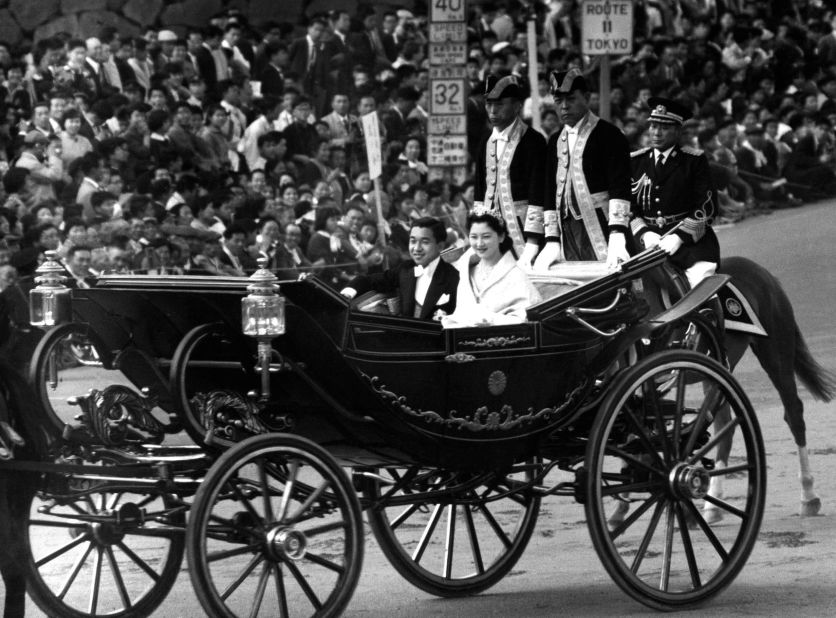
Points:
[(21, 440), (783, 355)]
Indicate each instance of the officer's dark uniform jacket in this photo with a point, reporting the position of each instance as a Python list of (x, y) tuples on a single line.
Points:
[(591, 184), (514, 183), (679, 192)]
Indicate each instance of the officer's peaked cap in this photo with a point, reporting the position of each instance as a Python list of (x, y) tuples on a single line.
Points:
[(667, 111)]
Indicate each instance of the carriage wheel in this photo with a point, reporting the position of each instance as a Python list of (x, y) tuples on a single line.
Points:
[(275, 529), (206, 357), (102, 553), (652, 445), (65, 364), (484, 530)]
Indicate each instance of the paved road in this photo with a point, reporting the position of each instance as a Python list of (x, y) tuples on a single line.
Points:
[(791, 568)]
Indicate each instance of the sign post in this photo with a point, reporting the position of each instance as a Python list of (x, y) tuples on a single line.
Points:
[(606, 29), (447, 124), (371, 131)]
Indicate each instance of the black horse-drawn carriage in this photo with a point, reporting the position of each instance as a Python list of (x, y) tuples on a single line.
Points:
[(447, 439)]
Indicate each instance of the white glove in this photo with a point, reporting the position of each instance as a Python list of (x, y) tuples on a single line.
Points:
[(548, 256), (670, 244), (650, 239), (528, 255), (616, 250), (349, 293)]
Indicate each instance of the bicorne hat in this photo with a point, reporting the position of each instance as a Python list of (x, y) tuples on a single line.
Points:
[(500, 87), (565, 82)]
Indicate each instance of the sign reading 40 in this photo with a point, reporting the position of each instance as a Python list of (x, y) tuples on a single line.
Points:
[(447, 10)]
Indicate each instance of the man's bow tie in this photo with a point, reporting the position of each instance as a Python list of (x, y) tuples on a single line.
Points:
[(419, 270)]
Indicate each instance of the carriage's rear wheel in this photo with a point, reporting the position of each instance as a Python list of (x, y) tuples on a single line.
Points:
[(102, 552), (66, 362), (275, 529), (652, 446), (206, 359), (455, 545)]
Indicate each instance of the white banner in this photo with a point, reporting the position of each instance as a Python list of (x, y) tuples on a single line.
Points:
[(371, 130)]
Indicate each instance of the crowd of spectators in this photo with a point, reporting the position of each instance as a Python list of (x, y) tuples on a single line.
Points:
[(200, 151)]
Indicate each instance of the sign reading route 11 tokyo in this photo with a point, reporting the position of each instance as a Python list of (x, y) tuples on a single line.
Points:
[(607, 27)]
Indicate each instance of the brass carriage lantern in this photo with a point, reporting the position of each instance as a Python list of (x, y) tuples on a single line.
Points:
[(262, 317), (49, 301)]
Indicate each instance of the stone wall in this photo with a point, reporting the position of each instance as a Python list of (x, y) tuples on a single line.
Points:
[(22, 20)]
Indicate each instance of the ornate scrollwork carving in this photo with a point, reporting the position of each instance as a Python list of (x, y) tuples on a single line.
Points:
[(494, 342), (117, 415), (483, 419), (229, 415)]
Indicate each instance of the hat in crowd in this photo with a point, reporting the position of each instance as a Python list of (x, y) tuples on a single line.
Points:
[(566, 82), (498, 47), (166, 36), (667, 111), (408, 93), (35, 137), (501, 87), (404, 14)]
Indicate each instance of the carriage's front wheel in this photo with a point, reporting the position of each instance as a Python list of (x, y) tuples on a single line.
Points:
[(275, 530), (651, 452), (446, 541), (95, 551)]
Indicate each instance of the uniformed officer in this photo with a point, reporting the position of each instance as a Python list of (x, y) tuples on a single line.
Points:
[(587, 183), (672, 196), (510, 165)]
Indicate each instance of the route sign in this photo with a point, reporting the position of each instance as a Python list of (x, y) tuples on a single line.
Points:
[(447, 10), (454, 72), (449, 150), (606, 27), (448, 53), (447, 125), (448, 32), (447, 96)]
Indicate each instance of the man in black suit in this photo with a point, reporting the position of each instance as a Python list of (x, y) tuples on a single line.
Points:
[(510, 164), (672, 202), (271, 76), (306, 56), (587, 192), (425, 284), (368, 45), (394, 120)]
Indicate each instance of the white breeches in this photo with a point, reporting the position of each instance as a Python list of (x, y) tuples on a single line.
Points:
[(699, 271)]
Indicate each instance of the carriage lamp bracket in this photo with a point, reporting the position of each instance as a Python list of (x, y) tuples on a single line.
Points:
[(263, 317), (49, 302), (573, 313)]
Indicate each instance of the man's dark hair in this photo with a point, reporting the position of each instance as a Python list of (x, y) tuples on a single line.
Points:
[(271, 137), (234, 228), (434, 225), (100, 197), (89, 162), (324, 213), (157, 119)]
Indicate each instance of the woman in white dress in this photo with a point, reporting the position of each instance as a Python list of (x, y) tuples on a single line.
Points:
[(492, 288)]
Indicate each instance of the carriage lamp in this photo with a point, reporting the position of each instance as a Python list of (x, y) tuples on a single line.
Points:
[(262, 317), (49, 301)]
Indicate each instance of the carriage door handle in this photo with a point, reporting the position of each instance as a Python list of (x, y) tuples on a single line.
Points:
[(572, 312)]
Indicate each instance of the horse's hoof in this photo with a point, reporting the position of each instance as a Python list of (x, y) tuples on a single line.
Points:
[(712, 515), (811, 508), (617, 518)]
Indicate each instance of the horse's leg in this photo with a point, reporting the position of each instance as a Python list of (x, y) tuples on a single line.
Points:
[(778, 360)]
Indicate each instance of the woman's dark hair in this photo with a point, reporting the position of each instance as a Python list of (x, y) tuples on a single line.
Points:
[(15, 179), (496, 224), (322, 216)]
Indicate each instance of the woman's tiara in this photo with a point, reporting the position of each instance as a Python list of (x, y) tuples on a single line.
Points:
[(484, 210)]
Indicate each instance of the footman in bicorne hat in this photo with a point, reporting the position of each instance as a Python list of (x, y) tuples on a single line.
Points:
[(587, 183), (510, 163), (672, 199)]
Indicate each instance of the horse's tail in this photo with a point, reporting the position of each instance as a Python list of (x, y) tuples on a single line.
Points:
[(820, 382)]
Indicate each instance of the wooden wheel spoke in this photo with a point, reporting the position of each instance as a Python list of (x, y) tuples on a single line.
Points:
[(636, 460), (634, 488), (309, 502), (679, 408), (500, 533), (240, 497), (427, 534), (303, 583), (474, 540), (323, 529), (707, 531), (138, 561), (280, 592), (404, 515), (665, 575), (726, 507), (688, 546), (288, 490), (651, 399), (260, 588), (648, 534), (450, 541), (717, 437), (324, 562), (713, 400), (265, 490), (117, 576), (231, 553), (74, 572), (96, 583), (245, 573), (64, 549), (641, 434)]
